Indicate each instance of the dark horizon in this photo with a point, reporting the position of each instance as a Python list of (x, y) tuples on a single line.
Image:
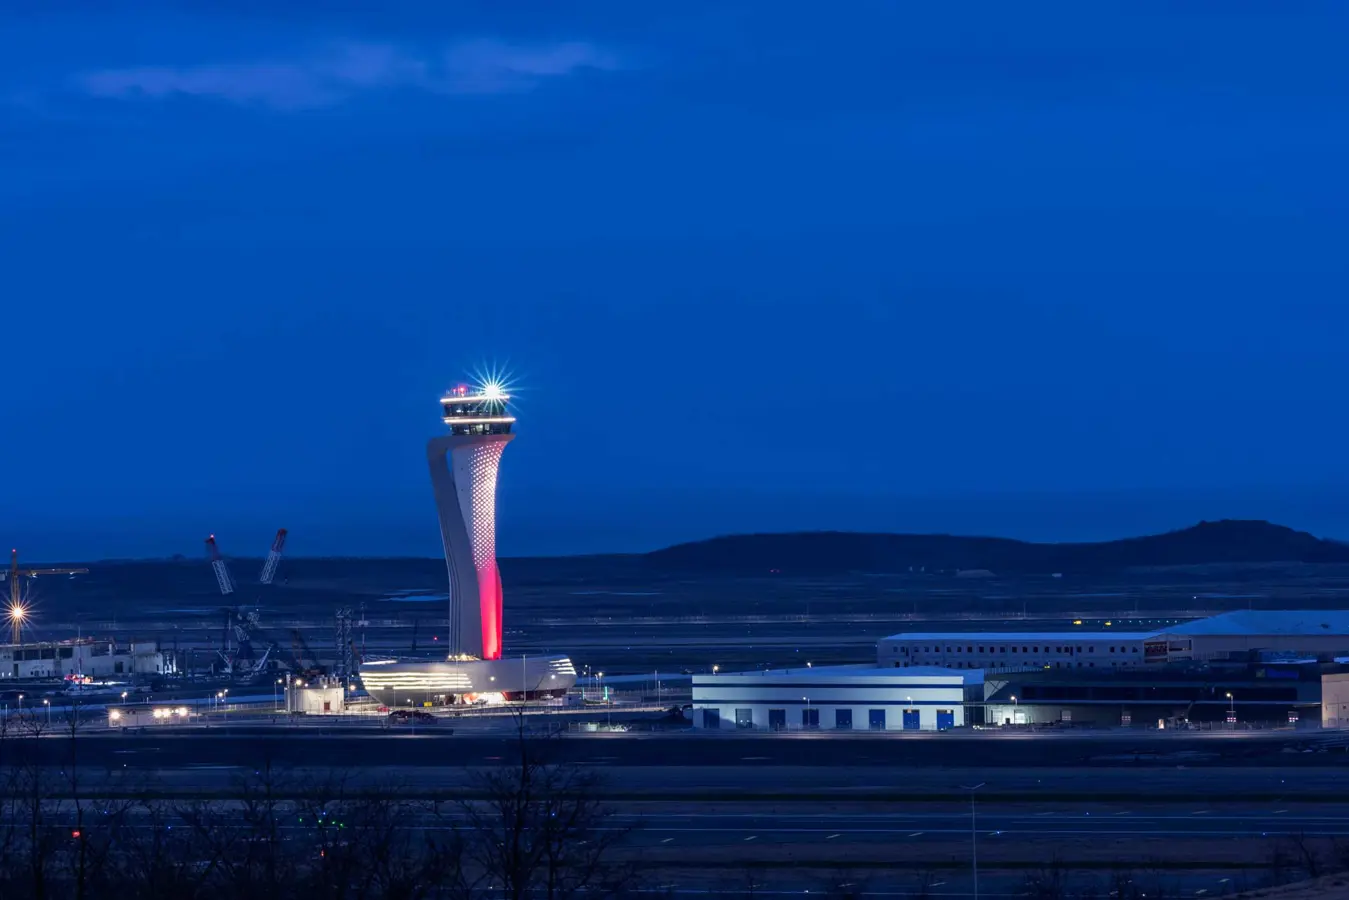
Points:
[(252, 553)]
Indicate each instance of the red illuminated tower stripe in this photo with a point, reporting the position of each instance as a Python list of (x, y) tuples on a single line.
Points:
[(464, 467)]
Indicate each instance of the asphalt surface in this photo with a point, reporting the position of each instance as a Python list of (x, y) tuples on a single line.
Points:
[(999, 825), (432, 746)]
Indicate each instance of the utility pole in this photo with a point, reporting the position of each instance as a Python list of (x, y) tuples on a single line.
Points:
[(974, 835)]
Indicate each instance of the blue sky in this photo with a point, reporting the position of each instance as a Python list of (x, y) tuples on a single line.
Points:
[(1058, 271)]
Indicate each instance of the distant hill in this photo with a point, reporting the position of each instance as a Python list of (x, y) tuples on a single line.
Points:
[(1230, 541)]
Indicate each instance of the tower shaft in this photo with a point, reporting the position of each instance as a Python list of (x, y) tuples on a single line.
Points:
[(464, 477)]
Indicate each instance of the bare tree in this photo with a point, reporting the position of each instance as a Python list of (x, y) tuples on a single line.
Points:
[(543, 827)]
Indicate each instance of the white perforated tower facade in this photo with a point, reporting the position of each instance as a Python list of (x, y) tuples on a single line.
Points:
[(464, 467)]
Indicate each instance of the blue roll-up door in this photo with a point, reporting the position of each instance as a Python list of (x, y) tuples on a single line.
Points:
[(912, 721), (946, 718)]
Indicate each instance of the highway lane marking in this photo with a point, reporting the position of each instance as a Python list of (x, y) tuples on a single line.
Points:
[(1280, 811), (917, 834), (1200, 812), (751, 837), (1022, 831), (754, 758), (667, 840), (832, 836)]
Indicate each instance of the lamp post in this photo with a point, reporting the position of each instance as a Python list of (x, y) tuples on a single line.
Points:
[(1231, 709), (276, 695), (974, 835), (608, 713), (1015, 707), (806, 724), (48, 704)]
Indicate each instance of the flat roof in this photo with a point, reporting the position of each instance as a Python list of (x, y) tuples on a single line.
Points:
[(1257, 622), (835, 673), (1012, 637)]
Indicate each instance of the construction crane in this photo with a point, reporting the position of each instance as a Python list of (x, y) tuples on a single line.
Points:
[(18, 610), (222, 574), (273, 558)]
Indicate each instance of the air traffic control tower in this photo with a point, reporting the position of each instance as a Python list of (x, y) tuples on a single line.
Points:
[(464, 476)]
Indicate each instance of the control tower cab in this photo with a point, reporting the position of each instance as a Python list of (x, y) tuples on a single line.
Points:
[(471, 412)]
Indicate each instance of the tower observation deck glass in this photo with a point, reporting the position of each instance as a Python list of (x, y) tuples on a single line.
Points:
[(476, 413)]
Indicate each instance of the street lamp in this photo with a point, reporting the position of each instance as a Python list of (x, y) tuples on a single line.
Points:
[(974, 835), (48, 704), (806, 723), (276, 694), (1231, 709), (716, 669)]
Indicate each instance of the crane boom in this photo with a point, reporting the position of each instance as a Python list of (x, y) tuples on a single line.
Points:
[(222, 574), (18, 610), (273, 558)]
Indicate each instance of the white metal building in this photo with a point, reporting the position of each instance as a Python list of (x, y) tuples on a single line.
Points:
[(1013, 650), (1314, 633), (317, 697), (1227, 636), (96, 659), (844, 698), (1335, 700)]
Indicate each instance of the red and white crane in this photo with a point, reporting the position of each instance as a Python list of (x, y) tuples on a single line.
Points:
[(273, 558), (222, 574)]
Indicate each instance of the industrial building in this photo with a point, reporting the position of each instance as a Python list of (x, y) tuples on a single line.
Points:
[(1014, 650), (1171, 696), (1238, 668), (1335, 700), (87, 657), (834, 698), (1230, 636), (317, 697)]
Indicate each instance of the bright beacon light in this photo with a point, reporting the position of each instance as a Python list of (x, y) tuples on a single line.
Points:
[(493, 390), (18, 612)]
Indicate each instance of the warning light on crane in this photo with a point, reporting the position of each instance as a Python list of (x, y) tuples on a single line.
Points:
[(19, 612), (222, 574)]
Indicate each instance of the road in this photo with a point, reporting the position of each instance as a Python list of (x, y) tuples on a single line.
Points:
[(433, 747)]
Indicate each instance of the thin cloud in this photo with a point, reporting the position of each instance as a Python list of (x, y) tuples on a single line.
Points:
[(330, 78)]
